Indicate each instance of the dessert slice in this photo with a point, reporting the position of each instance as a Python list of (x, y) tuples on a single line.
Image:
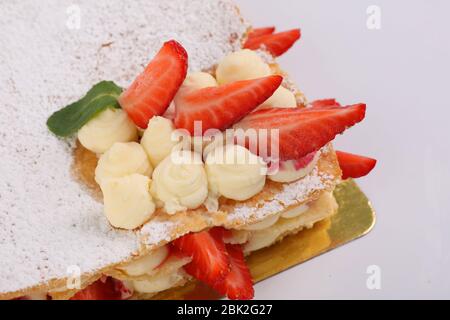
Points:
[(200, 192), (195, 200)]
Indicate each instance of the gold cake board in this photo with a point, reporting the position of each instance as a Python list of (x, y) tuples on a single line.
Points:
[(354, 219)]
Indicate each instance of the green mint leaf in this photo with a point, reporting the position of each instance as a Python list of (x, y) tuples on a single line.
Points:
[(70, 119)]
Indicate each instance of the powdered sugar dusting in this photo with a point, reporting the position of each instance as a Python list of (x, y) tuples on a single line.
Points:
[(53, 51), (265, 56), (299, 191), (292, 194), (246, 212), (155, 232)]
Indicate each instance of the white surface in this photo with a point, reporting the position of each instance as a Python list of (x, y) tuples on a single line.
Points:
[(402, 73)]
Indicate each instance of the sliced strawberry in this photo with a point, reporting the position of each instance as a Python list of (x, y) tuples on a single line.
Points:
[(220, 232), (305, 161), (102, 289), (354, 166), (324, 103), (221, 107), (276, 44), (175, 252), (257, 32), (238, 284), (153, 90), (303, 130), (120, 287), (210, 261)]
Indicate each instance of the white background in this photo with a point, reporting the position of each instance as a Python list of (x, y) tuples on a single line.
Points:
[(402, 73)]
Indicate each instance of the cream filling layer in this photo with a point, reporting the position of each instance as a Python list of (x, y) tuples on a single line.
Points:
[(147, 263), (160, 282), (169, 275), (270, 229), (288, 172), (172, 273), (320, 209)]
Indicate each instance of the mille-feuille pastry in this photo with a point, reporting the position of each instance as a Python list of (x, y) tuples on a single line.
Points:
[(139, 186)]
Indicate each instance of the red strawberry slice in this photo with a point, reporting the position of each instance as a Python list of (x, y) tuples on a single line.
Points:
[(276, 44), (302, 131), (238, 284), (102, 289), (123, 289), (210, 261), (220, 233), (175, 252), (257, 32), (305, 161), (354, 166), (324, 103), (153, 90), (221, 107)]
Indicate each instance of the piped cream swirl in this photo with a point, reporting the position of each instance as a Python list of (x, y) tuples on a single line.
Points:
[(158, 140), (121, 160), (180, 181), (235, 173), (127, 201), (241, 65), (109, 127), (147, 263)]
